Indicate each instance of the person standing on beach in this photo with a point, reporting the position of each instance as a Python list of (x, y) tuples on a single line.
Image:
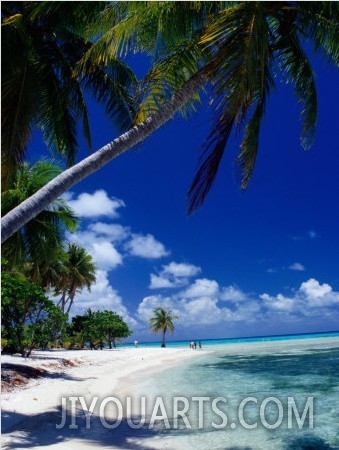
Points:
[(200, 344)]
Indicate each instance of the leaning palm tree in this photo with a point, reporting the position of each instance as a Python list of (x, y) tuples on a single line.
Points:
[(240, 53), (79, 273), (162, 320)]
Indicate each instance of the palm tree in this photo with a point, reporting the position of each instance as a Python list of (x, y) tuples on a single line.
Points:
[(79, 273), (41, 43), (240, 52), (36, 247), (162, 320)]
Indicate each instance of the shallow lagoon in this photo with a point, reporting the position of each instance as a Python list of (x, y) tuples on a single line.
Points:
[(271, 394)]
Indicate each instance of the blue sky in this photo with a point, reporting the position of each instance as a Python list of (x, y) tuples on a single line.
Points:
[(259, 262)]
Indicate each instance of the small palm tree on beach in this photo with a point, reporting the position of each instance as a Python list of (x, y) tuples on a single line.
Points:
[(162, 320)]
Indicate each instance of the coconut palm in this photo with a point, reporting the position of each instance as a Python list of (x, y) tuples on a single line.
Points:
[(41, 44), (36, 247), (240, 52), (79, 273), (162, 320)]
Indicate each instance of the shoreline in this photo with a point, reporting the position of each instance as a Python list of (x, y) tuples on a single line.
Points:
[(31, 413)]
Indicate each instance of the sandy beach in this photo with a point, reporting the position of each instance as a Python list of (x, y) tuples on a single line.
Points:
[(31, 413)]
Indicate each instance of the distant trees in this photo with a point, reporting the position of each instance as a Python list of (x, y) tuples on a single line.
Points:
[(162, 320), (98, 328), (30, 320)]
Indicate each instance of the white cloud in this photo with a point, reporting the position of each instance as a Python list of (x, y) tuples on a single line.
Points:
[(105, 255), (202, 287), (319, 295), (279, 302), (203, 311), (307, 300), (233, 294), (174, 275), (159, 282), (113, 231), (95, 205), (313, 289), (297, 267), (146, 306), (146, 247), (102, 296), (205, 303), (181, 269)]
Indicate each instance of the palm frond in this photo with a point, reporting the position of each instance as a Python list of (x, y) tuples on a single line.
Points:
[(19, 83), (319, 23), (296, 68), (168, 75), (240, 75)]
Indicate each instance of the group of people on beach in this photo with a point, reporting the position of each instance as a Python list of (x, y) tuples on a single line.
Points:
[(193, 345)]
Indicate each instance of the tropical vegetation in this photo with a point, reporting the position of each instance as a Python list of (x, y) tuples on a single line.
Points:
[(98, 328), (29, 318), (237, 51), (162, 321), (58, 56), (79, 272)]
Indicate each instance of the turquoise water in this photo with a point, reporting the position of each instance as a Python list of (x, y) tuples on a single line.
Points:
[(267, 386), (223, 341)]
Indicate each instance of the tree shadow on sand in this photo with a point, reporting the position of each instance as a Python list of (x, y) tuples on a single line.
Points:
[(29, 431)]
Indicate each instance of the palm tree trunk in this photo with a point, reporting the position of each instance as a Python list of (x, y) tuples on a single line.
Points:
[(62, 302), (163, 338), (71, 300), (31, 207)]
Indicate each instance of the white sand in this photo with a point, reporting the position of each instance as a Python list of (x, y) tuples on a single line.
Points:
[(30, 414)]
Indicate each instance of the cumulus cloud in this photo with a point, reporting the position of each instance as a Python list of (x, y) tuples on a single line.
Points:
[(233, 294), (205, 303), (146, 306), (94, 205), (173, 275), (311, 297), (112, 231), (105, 255), (102, 296), (313, 289), (319, 295), (201, 287), (280, 302), (146, 246), (297, 267)]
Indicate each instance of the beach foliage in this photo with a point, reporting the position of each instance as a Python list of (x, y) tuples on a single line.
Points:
[(98, 328), (36, 248), (161, 321), (29, 319)]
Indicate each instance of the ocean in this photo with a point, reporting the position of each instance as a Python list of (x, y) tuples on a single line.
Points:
[(268, 393)]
